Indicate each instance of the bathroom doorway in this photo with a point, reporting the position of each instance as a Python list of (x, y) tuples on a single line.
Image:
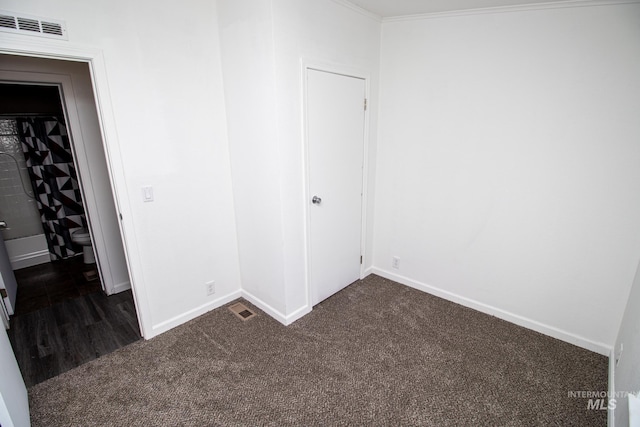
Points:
[(43, 213), (69, 309)]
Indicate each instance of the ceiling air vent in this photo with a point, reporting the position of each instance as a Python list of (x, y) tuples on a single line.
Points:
[(32, 25), (52, 28), (27, 24), (7, 21)]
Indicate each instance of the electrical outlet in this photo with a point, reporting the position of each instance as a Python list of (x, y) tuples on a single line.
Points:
[(211, 287), (395, 263), (619, 355)]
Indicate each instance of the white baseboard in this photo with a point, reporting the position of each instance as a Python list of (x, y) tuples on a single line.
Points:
[(276, 314), (299, 313), (611, 413), (219, 302), (192, 314), (369, 271), (551, 331), (121, 287)]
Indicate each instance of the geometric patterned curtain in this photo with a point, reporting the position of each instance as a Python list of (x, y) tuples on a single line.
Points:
[(47, 152)]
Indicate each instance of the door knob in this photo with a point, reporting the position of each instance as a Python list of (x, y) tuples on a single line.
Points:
[(3, 225), (316, 200)]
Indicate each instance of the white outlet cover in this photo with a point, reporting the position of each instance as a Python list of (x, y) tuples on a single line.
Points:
[(395, 262), (211, 288)]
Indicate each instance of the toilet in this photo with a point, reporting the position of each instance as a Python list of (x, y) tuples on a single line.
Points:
[(82, 237)]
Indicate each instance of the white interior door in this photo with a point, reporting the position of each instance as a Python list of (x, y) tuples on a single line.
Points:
[(8, 285), (14, 402), (335, 126)]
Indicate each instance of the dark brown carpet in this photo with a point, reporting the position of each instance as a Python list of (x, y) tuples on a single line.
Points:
[(377, 353)]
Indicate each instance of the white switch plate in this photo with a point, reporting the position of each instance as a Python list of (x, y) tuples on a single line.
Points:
[(147, 194)]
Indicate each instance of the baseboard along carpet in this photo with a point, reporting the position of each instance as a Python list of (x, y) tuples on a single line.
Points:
[(377, 353)]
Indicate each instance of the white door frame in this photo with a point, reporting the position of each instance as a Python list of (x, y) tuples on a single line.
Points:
[(14, 400), (348, 71), (61, 50), (4, 315)]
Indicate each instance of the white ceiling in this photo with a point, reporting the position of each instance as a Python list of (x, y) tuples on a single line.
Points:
[(390, 8)]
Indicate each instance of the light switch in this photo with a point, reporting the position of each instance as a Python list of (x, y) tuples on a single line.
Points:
[(147, 194)]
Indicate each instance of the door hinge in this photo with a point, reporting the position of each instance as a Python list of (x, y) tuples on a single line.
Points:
[(360, 259), (365, 104), (3, 293), (120, 215)]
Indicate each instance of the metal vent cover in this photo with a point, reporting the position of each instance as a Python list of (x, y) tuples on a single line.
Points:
[(11, 22), (242, 311)]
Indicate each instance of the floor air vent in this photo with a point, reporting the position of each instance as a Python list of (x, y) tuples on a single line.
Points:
[(241, 310), (32, 25), (90, 275)]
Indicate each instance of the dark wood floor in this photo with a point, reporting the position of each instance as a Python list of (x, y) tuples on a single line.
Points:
[(63, 320), (47, 284)]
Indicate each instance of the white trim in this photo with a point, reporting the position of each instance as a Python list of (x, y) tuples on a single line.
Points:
[(335, 68), (306, 194), (571, 338), (192, 314), (219, 302), (121, 287), (6, 310), (4, 314), (344, 70), (276, 314), (368, 272), (507, 9), (297, 314), (54, 49), (358, 9), (365, 173), (611, 413)]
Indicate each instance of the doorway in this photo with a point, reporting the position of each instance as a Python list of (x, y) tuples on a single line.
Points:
[(335, 124), (63, 313)]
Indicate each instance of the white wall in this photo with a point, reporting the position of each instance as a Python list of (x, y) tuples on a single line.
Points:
[(506, 155), (627, 371), (263, 43), (164, 81), (246, 37), (508, 164)]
